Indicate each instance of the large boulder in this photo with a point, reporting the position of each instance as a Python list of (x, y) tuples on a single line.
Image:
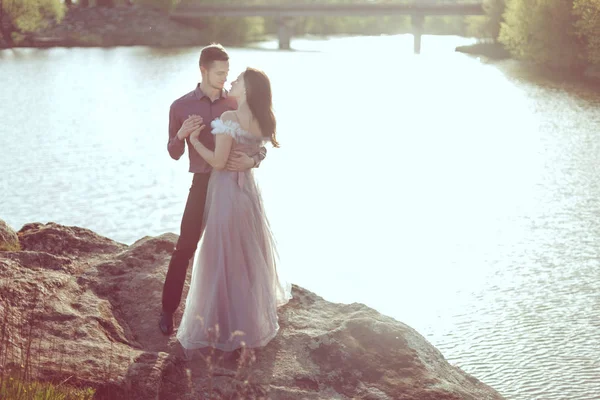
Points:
[(66, 240), (93, 306)]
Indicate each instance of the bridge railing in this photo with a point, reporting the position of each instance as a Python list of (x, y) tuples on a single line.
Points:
[(285, 12), (191, 10)]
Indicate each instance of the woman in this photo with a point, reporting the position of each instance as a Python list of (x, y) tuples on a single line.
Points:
[(235, 288)]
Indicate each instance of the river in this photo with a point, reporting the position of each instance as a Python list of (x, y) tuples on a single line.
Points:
[(458, 196)]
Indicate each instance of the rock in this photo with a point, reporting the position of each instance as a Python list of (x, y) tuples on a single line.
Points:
[(41, 260), (63, 240), (9, 241), (94, 305)]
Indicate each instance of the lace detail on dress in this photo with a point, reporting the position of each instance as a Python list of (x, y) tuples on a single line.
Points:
[(234, 130)]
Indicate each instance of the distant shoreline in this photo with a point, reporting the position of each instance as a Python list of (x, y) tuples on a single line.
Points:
[(491, 50), (118, 26), (101, 27), (494, 51)]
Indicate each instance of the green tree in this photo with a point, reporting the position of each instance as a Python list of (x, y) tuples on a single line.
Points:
[(225, 30), (164, 5), (488, 26), (542, 32), (19, 17), (588, 27)]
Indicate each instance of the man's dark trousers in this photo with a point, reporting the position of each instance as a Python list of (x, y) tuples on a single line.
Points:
[(191, 230)]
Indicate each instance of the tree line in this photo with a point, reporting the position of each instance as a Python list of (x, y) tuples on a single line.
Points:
[(561, 34)]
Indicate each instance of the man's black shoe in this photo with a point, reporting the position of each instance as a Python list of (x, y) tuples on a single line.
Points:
[(166, 323)]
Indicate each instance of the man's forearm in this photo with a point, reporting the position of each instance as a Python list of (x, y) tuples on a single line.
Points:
[(176, 147)]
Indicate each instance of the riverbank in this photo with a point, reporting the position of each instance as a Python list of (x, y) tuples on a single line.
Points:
[(494, 51), (118, 26), (491, 50)]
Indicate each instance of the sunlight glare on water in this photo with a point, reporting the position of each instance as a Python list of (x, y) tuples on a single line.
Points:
[(456, 196)]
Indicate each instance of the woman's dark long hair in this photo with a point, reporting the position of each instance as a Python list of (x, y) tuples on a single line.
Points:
[(260, 101)]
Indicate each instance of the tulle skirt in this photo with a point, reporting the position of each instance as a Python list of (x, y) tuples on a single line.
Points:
[(235, 288)]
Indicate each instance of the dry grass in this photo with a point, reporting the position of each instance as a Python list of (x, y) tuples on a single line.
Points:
[(15, 389), (245, 359), (10, 246), (19, 361)]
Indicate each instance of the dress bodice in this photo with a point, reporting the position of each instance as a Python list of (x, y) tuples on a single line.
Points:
[(243, 140)]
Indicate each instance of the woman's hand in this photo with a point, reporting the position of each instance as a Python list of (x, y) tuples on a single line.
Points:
[(194, 136)]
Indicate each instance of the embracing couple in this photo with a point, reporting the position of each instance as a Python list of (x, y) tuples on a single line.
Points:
[(235, 288)]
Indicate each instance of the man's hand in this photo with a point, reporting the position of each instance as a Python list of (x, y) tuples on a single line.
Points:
[(239, 161), (192, 123)]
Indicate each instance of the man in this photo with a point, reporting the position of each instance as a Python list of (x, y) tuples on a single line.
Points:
[(199, 107)]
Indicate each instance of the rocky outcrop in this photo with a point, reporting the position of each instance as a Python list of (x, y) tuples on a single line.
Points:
[(93, 304)]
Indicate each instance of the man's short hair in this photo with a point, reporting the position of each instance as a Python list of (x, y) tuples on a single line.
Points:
[(211, 53)]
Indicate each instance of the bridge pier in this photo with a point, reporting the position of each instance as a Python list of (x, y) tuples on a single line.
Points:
[(284, 32), (418, 20)]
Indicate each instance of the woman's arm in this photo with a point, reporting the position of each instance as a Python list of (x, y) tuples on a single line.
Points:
[(218, 158)]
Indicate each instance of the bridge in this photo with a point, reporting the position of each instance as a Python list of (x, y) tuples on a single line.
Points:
[(284, 13)]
